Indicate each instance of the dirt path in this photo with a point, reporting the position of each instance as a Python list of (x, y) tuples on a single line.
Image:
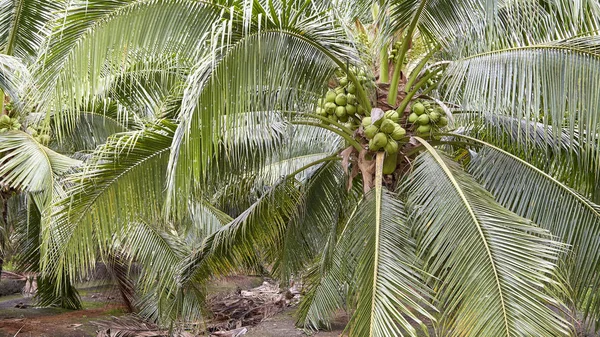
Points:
[(28, 321)]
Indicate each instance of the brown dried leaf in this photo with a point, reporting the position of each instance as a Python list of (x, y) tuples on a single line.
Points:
[(367, 168)]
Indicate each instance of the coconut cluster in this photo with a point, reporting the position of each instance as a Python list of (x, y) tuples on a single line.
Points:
[(394, 52), (39, 133), (385, 132), (426, 118), (7, 123), (340, 104)]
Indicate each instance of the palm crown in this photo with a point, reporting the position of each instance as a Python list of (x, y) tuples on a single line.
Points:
[(417, 162)]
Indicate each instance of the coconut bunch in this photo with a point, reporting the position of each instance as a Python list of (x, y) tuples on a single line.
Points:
[(393, 55), (7, 123), (384, 133), (426, 118), (39, 133), (340, 104)]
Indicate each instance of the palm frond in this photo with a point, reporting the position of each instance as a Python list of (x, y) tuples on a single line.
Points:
[(122, 183), (538, 84), (531, 193), (273, 71), (257, 231), (23, 26), (391, 293), (29, 166), (14, 75), (97, 34), (489, 266)]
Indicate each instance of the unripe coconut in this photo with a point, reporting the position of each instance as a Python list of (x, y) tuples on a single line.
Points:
[(320, 102), (379, 121), (371, 131), (344, 118), (341, 99), (373, 146), (413, 117), (389, 163), (380, 139), (366, 121), (45, 139), (393, 115), (443, 121), (424, 129), (434, 116), (333, 118), (5, 120), (391, 147), (351, 99), (340, 111), (330, 107), (330, 96), (344, 81), (418, 108), (387, 126), (398, 133), (423, 119), (339, 90), (351, 89), (351, 109)]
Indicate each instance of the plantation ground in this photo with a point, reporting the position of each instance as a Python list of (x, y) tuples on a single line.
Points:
[(102, 302)]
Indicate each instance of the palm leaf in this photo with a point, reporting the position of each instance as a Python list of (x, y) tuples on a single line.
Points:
[(113, 190), (391, 293), (533, 194), (536, 83), (27, 165), (490, 265)]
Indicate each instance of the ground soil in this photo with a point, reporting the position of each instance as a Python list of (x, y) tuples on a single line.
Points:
[(103, 302)]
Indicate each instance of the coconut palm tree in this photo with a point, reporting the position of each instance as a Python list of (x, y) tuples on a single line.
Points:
[(421, 164)]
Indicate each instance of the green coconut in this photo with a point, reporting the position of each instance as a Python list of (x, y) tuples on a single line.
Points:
[(45, 139), (351, 109), (366, 121), (339, 90), (418, 108), (373, 146), (361, 110), (423, 119), (443, 121), (330, 108), (371, 131), (387, 126), (344, 81), (341, 99), (340, 111), (5, 120), (351, 89), (398, 133), (424, 129), (413, 117), (330, 96), (380, 139), (391, 147), (393, 115), (390, 162), (351, 99), (434, 116)]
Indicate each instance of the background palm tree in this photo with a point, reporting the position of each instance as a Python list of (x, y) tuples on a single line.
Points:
[(485, 227)]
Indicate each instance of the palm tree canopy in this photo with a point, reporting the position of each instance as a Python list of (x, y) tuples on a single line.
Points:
[(417, 163)]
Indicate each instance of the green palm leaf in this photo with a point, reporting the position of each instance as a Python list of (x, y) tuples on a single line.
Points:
[(391, 293), (120, 181), (27, 165), (490, 265), (531, 193)]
